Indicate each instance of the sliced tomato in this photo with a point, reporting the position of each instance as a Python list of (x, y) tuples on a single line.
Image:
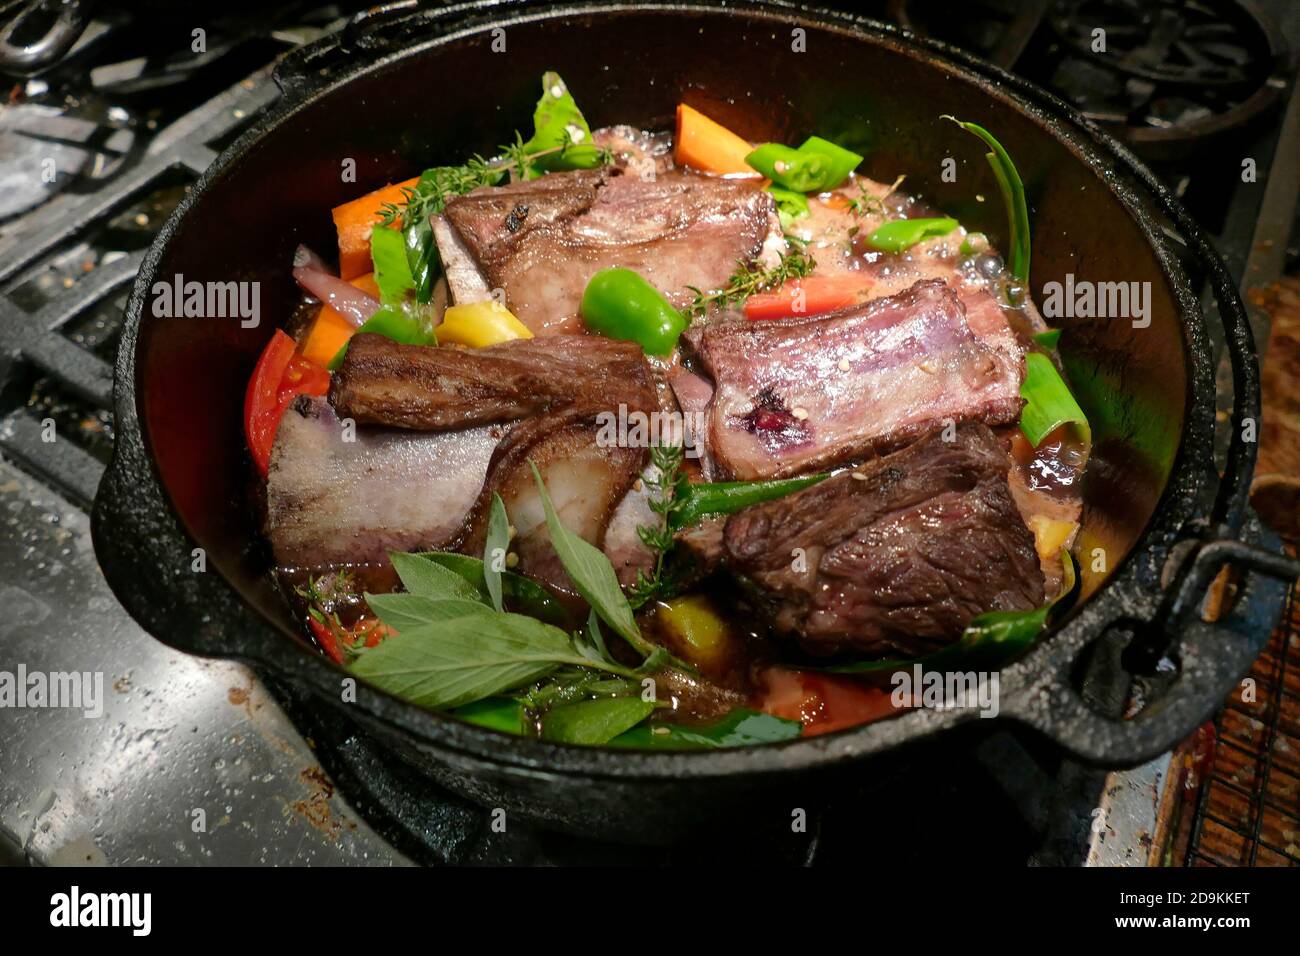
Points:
[(810, 296), (823, 702), (281, 375), (370, 630)]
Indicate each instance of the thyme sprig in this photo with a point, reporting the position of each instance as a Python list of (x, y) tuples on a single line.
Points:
[(796, 263), (865, 204), (440, 184), (662, 481)]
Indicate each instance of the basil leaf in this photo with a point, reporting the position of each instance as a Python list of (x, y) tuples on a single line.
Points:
[(594, 721), (496, 713), (494, 549), (1013, 196), (1048, 402), (901, 234), (429, 579), (591, 573), (520, 593), (740, 728), (455, 662), (403, 612)]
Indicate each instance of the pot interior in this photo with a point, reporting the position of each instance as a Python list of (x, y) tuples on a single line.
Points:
[(440, 103)]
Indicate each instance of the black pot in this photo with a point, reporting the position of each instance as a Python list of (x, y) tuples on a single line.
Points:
[(402, 89)]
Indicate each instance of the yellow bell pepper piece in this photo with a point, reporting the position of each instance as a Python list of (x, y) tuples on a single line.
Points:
[(477, 324), (697, 630), (1051, 535)]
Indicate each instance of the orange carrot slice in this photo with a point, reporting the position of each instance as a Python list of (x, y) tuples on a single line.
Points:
[(355, 219), (809, 296), (331, 330), (708, 146)]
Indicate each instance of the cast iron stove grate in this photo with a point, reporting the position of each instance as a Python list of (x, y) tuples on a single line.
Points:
[(1247, 809)]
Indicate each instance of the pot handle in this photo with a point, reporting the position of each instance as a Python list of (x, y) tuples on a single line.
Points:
[(1211, 658), (39, 32)]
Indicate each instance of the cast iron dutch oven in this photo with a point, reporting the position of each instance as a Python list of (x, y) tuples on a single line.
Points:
[(401, 89)]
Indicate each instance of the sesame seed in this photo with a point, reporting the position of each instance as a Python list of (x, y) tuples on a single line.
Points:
[(859, 476), (844, 365), (799, 412)]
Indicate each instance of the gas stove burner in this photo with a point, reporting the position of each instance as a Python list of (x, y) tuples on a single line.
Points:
[(1166, 76)]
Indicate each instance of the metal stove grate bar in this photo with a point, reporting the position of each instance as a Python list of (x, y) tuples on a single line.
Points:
[(37, 338), (1248, 808)]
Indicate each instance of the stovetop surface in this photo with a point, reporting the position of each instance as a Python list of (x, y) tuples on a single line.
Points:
[(273, 779)]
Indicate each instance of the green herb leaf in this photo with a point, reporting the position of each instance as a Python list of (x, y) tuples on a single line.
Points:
[(458, 661), (1048, 402), (591, 573), (746, 281), (596, 721), (426, 578), (404, 612), (739, 728), (1013, 195), (901, 234), (496, 713), (520, 594), (494, 550)]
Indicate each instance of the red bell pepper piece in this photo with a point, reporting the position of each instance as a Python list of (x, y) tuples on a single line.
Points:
[(811, 295), (823, 702), (281, 375)]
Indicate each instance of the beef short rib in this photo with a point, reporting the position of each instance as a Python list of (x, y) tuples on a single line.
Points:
[(895, 557)]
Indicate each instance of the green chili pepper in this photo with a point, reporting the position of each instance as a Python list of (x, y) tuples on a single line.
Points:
[(392, 270), (620, 304), (901, 234), (1048, 339), (1013, 195), (790, 205), (842, 161), (403, 322), (698, 501), (814, 167), (1048, 402)]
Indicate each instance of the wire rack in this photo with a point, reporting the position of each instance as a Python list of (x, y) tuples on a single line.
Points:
[(1247, 811)]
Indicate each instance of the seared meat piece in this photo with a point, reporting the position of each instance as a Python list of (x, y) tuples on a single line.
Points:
[(543, 396), (898, 555), (541, 240), (437, 389), (797, 395), (586, 482), (332, 501)]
